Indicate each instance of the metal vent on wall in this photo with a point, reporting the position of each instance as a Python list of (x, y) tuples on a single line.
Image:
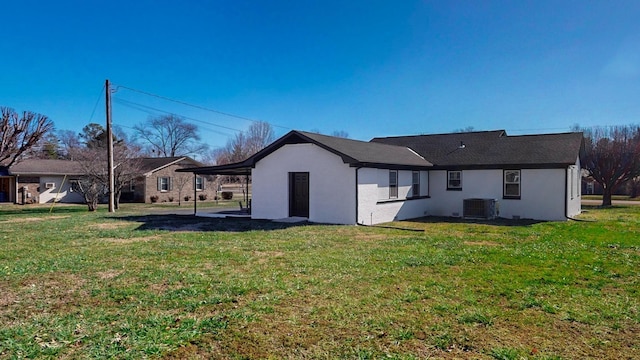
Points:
[(480, 209)]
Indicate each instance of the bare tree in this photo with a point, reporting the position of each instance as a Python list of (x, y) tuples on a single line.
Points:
[(180, 181), (611, 155), (340, 134), (93, 183), (169, 135), (19, 133), (259, 135), (69, 141), (93, 160), (464, 129), (244, 144)]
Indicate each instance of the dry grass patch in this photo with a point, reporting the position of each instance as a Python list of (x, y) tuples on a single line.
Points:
[(481, 243), (131, 240), (34, 219)]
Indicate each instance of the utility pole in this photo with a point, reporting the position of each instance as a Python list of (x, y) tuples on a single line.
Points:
[(110, 148)]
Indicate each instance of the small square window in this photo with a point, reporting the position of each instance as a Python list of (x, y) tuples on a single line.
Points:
[(454, 180), (512, 184)]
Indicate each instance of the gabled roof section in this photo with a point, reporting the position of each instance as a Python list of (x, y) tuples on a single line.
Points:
[(46, 167), (352, 152), (149, 165), (495, 149)]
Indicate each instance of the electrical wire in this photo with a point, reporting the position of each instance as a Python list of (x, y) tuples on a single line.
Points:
[(198, 106), (141, 107), (96, 105)]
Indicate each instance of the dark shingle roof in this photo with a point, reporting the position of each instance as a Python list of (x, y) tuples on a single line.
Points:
[(150, 164), (355, 151), (46, 167), (492, 148)]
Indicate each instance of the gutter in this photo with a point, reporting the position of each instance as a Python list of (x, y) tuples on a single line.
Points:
[(357, 205), (566, 194)]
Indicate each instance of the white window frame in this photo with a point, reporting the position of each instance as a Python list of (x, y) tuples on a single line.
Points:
[(164, 184), (515, 181), (393, 185), (199, 183), (415, 183), (451, 178)]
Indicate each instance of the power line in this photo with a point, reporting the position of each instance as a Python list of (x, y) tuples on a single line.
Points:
[(198, 106), (97, 102), (141, 107)]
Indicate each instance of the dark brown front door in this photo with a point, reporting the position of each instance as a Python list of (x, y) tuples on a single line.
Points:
[(299, 194)]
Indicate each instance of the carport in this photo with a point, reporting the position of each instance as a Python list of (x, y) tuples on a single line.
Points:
[(241, 169)]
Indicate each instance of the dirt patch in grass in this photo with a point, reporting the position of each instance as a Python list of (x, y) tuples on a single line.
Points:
[(109, 274), (34, 219), (53, 293), (110, 225), (264, 256), (131, 240), (481, 243)]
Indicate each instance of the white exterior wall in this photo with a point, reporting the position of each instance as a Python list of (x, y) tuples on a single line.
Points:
[(374, 204), (61, 191), (542, 193), (331, 184), (574, 190)]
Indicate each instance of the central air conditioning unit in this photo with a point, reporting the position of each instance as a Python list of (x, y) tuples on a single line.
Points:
[(480, 209)]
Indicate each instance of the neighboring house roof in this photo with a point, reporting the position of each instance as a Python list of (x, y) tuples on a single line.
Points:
[(69, 167), (353, 152), (149, 165), (46, 167), (492, 149)]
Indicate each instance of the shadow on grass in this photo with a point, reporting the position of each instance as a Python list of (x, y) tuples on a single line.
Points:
[(193, 223), (497, 222)]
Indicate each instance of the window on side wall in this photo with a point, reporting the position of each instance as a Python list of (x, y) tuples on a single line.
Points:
[(393, 184), (199, 183), (164, 184), (415, 183), (511, 184), (454, 180)]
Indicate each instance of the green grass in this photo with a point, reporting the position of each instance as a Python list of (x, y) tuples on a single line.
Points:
[(75, 284), (613, 197)]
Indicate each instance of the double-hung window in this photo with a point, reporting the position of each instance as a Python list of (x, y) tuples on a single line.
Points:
[(512, 184), (415, 183), (164, 184), (393, 184), (454, 180), (199, 183)]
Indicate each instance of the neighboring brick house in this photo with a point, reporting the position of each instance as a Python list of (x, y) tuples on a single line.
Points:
[(46, 180), (160, 183)]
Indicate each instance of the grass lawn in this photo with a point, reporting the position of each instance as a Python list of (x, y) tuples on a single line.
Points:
[(613, 197), (75, 284)]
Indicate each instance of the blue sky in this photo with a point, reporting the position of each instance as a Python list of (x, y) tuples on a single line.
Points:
[(370, 68)]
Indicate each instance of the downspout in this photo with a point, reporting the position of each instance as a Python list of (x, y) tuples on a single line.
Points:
[(357, 204), (566, 193), (246, 192), (195, 196)]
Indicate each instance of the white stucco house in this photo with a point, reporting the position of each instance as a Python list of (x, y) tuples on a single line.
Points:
[(484, 174), (40, 181)]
